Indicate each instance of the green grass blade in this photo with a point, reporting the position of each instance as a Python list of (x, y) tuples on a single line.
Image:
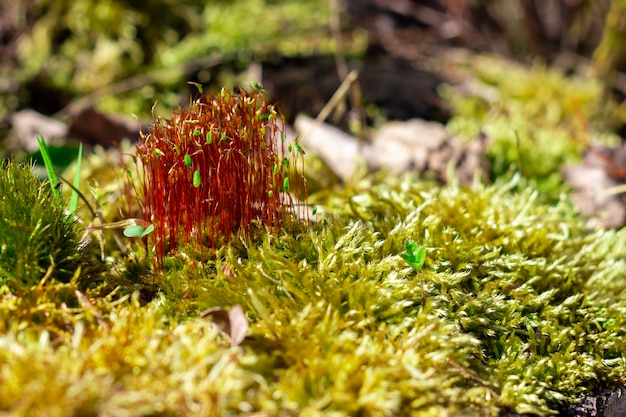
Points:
[(74, 199), (48, 163)]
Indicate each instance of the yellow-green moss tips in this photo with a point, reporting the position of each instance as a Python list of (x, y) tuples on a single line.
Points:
[(515, 306)]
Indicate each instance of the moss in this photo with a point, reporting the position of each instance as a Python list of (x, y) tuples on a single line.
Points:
[(553, 123), (518, 307), (38, 240)]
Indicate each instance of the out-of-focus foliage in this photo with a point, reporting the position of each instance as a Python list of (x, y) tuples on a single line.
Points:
[(554, 116), (610, 55), (76, 47)]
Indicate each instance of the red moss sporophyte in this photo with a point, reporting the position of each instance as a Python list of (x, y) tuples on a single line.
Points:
[(217, 167)]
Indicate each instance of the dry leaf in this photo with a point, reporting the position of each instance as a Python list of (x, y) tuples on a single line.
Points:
[(233, 323)]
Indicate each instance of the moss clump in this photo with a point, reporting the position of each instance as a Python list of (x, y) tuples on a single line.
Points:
[(517, 307), (37, 238), (218, 167)]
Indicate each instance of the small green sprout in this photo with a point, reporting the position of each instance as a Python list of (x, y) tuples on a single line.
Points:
[(208, 138), (414, 255), (196, 179), (187, 160)]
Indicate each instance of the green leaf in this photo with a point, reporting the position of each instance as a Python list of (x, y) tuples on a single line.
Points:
[(196, 179), (187, 160), (286, 183), (148, 230), (197, 132), (414, 255), (48, 163), (134, 231), (138, 231), (208, 138)]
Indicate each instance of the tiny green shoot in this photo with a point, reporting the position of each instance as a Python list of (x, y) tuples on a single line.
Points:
[(187, 160), (196, 179), (414, 254)]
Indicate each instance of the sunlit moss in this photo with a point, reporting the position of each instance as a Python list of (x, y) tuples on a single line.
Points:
[(518, 306)]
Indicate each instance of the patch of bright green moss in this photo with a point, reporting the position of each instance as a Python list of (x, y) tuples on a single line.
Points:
[(518, 306), (554, 116)]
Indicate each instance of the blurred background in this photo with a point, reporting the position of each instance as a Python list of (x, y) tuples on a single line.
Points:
[(103, 68)]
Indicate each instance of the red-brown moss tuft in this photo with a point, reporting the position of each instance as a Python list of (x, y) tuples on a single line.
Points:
[(215, 168)]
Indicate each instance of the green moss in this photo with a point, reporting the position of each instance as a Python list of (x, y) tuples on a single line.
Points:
[(518, 306), (554, 116), (37, 238)]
